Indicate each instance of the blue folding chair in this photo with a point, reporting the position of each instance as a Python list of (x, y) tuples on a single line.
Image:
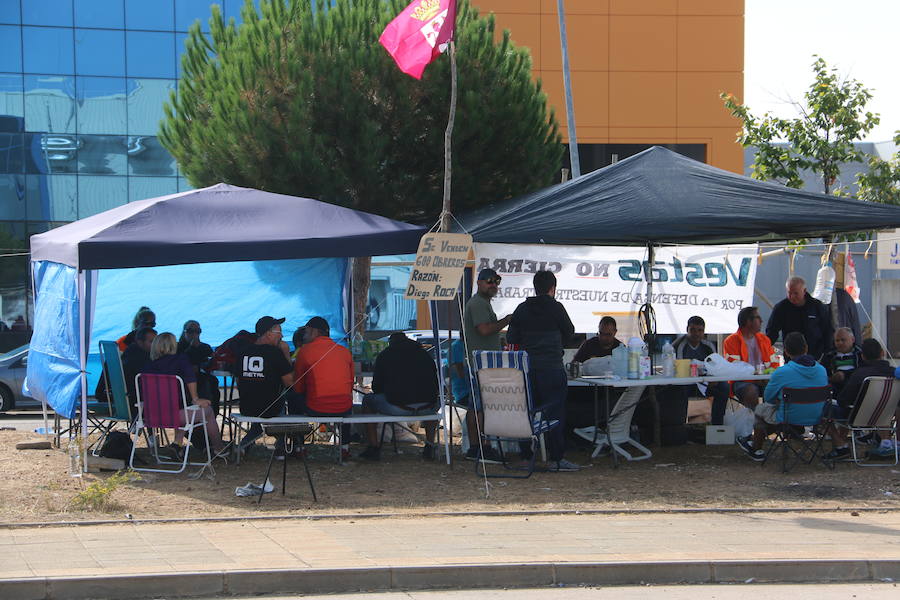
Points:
[(509, 413)]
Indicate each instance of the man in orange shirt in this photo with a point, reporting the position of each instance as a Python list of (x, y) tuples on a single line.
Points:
[(323, 378), (751, 346)]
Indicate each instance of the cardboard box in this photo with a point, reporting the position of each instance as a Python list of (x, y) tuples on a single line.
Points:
[(718, 435)]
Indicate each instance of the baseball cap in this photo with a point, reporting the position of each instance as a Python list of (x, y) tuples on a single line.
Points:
[(487, 274), (266, 323), (320, 324)]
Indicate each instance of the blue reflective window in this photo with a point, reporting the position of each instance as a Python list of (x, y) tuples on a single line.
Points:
[(143, 14), (145, 104), (10, 48), (188, 11), (99, 52), (9, 12), (59, 152), (12, 104), (97, 193), (184, 185), (47, 12), (12, 197), (50, 50), (151, 54), (146, 156), (49, 103), (52, 197), (12, 153), (101, 105), (141, 188), (106, 14), (102, 155)]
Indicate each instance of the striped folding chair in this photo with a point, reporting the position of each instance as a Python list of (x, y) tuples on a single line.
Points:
[(162, 404), (509, 413), (874, 412)]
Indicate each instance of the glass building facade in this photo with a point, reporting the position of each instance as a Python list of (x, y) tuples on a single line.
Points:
[(82, 87)]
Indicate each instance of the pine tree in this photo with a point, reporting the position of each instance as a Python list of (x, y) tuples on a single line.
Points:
[(302, 100)]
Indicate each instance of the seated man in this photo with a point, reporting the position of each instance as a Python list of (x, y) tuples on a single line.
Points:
[(461, 387), (134, 359), (601, 344), (323, 375), (873, 365), (843, 359), (263, 372), (695, 346), (748, 344), (404, 383), (802, 371)]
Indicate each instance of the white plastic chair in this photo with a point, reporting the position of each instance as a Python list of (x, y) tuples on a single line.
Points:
[(618, 430)]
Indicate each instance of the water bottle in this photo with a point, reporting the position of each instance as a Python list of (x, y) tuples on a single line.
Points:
[(668, 360), (824, 284), (74, 452), (635, 345)]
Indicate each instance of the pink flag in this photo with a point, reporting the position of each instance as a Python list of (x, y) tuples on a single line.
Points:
[(419, 34)]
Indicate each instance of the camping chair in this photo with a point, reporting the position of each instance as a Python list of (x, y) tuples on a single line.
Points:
[(103, 415), (161, 400), (617, 437), (797, 408), (874, 412), (509, 414), (120, 407)]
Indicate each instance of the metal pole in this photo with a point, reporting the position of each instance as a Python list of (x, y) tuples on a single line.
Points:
[(567, 84)]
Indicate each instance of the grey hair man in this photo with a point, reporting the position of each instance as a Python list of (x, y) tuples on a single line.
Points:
[(804, 314)]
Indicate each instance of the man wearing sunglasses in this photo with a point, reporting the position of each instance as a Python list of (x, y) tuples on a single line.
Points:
[(481, 330)]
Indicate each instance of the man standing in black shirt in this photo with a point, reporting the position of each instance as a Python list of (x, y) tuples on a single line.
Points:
[(803, 313), (541, 326), (263, 372)]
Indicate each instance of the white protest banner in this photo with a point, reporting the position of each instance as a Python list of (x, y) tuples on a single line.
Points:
[(439, 266), (714, 282)]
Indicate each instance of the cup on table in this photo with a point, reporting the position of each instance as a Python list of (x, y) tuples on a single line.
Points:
[(683, 367)]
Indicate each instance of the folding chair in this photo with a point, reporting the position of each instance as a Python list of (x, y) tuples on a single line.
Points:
[(799, 407), (509, 414), (617, 437), (160, 401), (874, 412), (120, 407)]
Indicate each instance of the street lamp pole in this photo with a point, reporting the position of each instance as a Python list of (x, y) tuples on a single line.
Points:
[(567, 84)]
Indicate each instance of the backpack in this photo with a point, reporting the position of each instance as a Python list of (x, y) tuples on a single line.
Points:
[(226, 355), (117, 445)]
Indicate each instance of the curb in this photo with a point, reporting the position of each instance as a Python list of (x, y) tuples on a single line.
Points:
[(441, 514), (462, 576)]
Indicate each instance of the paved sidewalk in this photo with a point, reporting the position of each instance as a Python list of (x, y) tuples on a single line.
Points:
[(482, 550)]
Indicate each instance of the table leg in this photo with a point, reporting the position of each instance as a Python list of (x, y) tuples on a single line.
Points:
[(615, 455), (654, 405)]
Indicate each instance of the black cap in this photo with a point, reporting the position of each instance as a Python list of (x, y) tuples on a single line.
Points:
[(320, 324), (487, 274), (266, 323)]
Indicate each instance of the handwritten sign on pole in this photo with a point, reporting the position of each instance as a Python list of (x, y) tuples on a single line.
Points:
[(439, 265)]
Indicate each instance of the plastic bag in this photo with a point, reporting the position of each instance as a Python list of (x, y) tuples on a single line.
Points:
[(741, 419), (718, 366), (602, 365)]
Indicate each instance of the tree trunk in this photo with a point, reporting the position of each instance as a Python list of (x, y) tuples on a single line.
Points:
[(361, 275)]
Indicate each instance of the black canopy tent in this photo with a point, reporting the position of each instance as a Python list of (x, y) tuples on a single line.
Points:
[(660, 197)]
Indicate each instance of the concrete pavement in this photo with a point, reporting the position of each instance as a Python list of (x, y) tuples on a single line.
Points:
[(297, 555)]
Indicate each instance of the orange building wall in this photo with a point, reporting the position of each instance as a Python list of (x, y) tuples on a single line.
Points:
[(643, 71)]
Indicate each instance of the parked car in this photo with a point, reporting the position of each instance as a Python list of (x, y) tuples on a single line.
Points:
[(12, 375)]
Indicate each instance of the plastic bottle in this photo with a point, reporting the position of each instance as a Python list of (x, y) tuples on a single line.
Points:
[(668, 360), (620, 361), (824, 284), (646, 363), (74, 452), (635, 345)]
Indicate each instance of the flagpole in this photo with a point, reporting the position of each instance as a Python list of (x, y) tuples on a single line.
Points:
[(567, 85), (448, 134)]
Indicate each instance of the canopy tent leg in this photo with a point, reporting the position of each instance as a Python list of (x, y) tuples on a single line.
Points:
[(435, 329)]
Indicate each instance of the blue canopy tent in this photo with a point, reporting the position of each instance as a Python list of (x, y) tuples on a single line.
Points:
[(221, 223)]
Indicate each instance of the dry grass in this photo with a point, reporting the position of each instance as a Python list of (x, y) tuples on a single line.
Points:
[(37, 487)]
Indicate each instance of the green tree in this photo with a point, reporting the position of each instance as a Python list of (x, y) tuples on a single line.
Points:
[(832, 116), (305, 101), (881, 183)]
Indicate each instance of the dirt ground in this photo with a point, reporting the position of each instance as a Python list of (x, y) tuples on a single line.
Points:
[(36, 486)]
